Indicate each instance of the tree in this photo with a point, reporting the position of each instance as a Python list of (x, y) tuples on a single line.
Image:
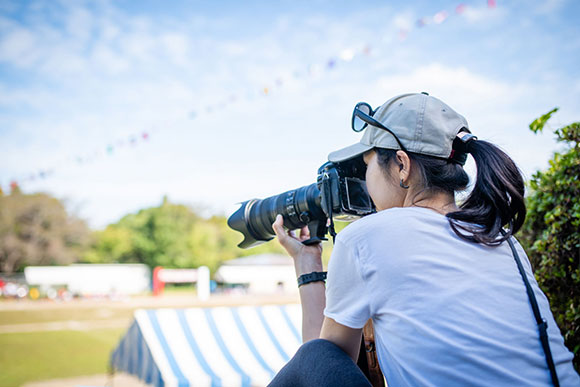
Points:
[(113, 244), (36, 230), (552, 231), (155, 236)]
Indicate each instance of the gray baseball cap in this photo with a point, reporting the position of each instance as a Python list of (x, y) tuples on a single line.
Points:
[(423, 124)]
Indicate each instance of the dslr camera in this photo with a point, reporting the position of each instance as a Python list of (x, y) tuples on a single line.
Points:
[(340, 193)]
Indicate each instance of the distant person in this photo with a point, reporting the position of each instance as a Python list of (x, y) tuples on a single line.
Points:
[(439, 280)]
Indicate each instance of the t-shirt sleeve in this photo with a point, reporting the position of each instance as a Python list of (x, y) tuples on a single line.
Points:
[(347, 300)]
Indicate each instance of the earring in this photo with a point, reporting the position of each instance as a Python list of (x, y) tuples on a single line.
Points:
[(403, 185)]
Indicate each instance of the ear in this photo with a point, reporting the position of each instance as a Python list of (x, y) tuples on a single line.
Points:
[(404, 165)]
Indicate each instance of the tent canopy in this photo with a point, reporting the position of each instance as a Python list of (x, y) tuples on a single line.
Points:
[(222, 346)]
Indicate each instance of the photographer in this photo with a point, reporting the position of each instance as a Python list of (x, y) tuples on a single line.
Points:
[(439, 280)]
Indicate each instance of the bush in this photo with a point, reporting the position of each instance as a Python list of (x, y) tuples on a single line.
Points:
[(551, 233)]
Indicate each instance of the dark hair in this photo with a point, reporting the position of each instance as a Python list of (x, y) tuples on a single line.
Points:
[(497, 199)]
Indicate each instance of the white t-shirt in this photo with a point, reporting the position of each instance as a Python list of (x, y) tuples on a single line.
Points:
[(446, 312)]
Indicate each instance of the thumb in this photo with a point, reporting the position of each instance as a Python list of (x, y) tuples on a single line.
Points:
[(278, 227)]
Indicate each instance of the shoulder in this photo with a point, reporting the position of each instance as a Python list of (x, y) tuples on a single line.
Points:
[(399, 218)]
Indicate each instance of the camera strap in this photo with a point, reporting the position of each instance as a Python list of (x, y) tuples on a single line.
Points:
[(328, 200), (542, 324)]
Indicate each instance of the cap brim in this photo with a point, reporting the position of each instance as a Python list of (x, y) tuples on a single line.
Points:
[(349, 152)]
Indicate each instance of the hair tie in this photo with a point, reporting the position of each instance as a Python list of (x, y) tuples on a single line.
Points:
[(466, 140), (460, 147)]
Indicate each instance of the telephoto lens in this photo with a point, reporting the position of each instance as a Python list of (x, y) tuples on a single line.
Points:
[(299, 207)]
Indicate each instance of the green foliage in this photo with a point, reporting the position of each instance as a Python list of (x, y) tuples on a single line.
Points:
[(538, 124), (170, 235), (36, 230), (552, 231)]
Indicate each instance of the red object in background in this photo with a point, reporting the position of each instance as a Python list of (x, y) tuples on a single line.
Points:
[(491, 3), (460, 9), (158, 285), (163, 276)]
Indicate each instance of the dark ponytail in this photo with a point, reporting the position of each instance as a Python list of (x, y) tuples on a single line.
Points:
[(496, 200)]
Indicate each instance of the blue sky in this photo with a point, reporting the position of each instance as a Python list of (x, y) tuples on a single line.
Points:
[(82, 81)]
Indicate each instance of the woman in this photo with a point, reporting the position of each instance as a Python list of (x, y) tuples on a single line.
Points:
[(440, 281)]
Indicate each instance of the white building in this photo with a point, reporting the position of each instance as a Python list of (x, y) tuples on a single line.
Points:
[(264, 273), (92, 279)]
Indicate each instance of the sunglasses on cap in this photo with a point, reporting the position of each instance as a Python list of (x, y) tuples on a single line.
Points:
[(362, 116)]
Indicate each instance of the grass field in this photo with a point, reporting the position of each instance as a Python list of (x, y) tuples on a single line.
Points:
[(34, 356), (49, 351), (12, 317)]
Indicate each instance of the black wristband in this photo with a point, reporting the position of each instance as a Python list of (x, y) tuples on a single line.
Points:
[(315, 276)]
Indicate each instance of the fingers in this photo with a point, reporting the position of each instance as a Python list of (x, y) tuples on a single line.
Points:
[(279, 221), (304, 233), (278, 227), (284, 236), (293, 245)]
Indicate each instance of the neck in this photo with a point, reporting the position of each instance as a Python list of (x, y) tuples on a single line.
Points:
[(440, 202)]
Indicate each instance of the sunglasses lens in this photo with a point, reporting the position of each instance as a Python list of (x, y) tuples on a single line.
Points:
[(358, 124), (366, 109)]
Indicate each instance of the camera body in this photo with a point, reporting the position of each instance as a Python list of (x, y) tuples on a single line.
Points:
[(339, 193), (343, 190)]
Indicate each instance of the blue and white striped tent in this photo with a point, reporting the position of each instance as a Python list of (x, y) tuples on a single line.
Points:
[(222, 346)]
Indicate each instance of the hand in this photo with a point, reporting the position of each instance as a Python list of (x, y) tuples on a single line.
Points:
[(306, 258)]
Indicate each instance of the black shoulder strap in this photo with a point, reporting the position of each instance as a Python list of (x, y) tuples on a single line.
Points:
[(542, 324)]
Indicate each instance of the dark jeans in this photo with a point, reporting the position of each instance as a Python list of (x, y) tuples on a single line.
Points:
[(320, 363)]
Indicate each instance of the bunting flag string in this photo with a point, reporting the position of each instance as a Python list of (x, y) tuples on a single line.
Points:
[(266, 89), (82, 159)]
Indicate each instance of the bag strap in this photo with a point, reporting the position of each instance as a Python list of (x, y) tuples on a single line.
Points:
[(368, 361), (377, 378), (542, 323)]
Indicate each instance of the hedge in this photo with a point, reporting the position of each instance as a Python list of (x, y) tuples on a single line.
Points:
[(551, 232)]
